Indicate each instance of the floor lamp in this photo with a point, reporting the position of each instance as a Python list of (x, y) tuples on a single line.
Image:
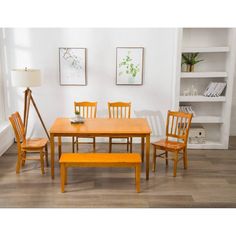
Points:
[(28, 78)]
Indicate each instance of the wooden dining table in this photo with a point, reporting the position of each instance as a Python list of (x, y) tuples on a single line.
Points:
[(101, 127)]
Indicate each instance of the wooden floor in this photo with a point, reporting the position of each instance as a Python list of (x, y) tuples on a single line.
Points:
[(210, 181)]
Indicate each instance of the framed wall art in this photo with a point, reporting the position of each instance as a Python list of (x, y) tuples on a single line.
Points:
[(129, 65), (72, 66)]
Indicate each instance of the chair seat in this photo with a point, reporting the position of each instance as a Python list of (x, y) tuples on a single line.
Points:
[(170, 145), (37, 143)]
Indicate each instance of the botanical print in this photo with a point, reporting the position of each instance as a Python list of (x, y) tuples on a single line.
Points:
[(72, 66), (129, 66)]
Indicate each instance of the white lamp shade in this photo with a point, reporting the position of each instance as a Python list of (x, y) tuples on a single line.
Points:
[(26, 78)]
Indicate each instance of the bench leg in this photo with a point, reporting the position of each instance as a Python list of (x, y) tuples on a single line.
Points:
[(62, 178), (137, 177)]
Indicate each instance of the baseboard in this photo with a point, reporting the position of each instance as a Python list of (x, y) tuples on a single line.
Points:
[(6, 137)]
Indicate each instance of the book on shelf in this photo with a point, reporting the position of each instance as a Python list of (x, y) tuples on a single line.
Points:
[(214, 89)]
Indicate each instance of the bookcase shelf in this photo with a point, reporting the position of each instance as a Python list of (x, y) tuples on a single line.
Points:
[(207, 119), (217, 50), (201, 99), (205, 49), (208, 75)]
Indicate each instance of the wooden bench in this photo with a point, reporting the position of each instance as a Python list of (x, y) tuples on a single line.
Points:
[(99, 160)]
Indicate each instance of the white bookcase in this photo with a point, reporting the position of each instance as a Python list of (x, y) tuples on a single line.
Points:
[(216, 48)]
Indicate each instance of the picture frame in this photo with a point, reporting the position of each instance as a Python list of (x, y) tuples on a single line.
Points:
[(72, 66), (129, 65)]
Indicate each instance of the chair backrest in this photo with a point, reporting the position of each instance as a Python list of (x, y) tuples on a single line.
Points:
[(86, 109), (18, 127), (178, 124), (155, 120), (119, 109)]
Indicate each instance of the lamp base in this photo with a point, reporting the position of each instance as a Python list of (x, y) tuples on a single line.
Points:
[(28, 99)]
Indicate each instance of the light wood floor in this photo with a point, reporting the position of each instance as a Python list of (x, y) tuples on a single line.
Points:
[(210, 181)]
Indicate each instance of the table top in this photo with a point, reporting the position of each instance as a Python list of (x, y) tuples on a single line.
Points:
[(101, 127)]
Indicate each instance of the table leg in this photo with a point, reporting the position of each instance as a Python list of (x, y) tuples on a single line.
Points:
[(142, 148), (59, 147), (147, 156), (52, 154)]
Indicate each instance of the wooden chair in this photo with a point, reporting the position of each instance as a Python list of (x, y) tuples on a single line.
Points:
[(24, 145), (120, 110), (177, 129), (87, 110)]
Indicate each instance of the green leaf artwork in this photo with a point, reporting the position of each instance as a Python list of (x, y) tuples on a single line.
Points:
[(128, 67)]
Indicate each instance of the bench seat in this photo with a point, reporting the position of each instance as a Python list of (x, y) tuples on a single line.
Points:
[(100, 160)]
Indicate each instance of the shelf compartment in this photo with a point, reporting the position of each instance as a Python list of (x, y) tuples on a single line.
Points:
[(204, 75), (205, 49), (201, 99), (207, 119)]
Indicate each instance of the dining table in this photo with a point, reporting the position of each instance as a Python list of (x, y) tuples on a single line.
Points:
[(101, 127)]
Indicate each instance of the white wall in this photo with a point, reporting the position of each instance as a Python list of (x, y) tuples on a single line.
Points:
[(38, 48)]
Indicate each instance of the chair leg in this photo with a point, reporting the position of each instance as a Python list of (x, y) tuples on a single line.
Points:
[(185, 158), (73, 144), (94, 144), (154, 159), (18, 163), (166, 158), (24, 156), (42, 161), (77, 144), (127, 144), (110, 144), (175, 163), (131, 144), (137, 177), (46, 155)]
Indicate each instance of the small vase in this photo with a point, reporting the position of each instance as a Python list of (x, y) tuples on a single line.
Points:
[(77, 117), (191, 68)]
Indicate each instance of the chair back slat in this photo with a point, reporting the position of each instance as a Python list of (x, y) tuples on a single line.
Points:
[(86, 109), (178, 124), (18, 127), (119, 110)]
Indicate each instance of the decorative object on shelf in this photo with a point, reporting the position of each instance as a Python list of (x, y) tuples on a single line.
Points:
[(197, 135), (194, 91), (129, 65), (190, 59), (187, 92), (190, 92), (187, 109), (28, 78), (214, 89), (72, 66)]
